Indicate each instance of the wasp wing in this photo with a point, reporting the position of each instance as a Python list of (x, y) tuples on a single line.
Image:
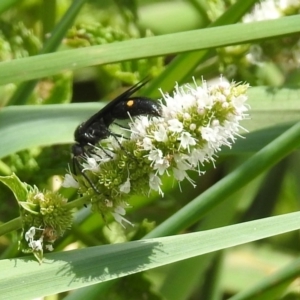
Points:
[(123, 97)]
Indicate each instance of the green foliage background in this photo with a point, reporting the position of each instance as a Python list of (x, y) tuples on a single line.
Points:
[(58, 58)]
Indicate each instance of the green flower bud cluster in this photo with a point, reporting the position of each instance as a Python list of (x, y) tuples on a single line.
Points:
[(17, 41), (45, 217), (84, 35), (91, 34)]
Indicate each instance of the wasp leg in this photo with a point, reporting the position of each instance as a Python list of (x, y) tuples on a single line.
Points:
[(103, 149), (121, 126), (77, 165), (115, 136)]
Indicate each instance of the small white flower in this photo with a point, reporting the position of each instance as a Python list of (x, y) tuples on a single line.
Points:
[(204, 100), (197, 156), (69, 181), (179, 174), (29, 235), (187, 116), (118, 214), (155, 183), (36, 245), (138, 128), (239, 104), (181, 162), (161, 165), (193, 126), (147, 143), (225, 105), (219, 97), (208, 134), (155, 155), (175, 125), (49, 247), (125, 187), (224, 87), (200, 111), (215, 123), (161, 134), (91, 165), (186, 140)]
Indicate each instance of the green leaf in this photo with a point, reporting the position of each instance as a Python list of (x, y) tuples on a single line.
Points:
[(17, 187), (78, 268), (6, 4), (53, 63), (23, 127), (273, 285), (30, 207)]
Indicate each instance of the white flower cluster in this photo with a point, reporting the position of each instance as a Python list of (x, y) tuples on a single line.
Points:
[(195, 124), (286, 53), (271, 9), (36, 245)]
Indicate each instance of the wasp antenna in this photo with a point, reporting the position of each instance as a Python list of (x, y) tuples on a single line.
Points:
[(138, 85), (133, 89), (144, 80), (76, 165)]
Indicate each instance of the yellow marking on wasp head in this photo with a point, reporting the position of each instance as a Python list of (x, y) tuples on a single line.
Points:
[(130, 103)]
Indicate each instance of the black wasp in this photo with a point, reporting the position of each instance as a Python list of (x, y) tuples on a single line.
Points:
[(96, 128)]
